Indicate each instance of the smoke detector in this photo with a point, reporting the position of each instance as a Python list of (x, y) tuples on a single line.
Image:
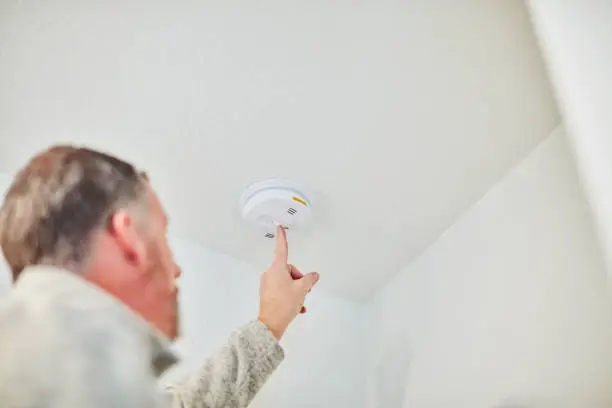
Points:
[(270, 203)]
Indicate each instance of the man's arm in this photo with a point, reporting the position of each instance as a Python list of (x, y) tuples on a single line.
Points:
[(233, 377), (235, 374)]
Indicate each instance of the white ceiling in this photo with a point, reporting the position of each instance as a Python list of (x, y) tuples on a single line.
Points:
[(397, 114)]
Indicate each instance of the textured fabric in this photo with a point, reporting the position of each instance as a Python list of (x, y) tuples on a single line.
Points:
[(66, 343)]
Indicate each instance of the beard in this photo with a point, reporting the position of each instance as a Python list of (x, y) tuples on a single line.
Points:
[(167, 296), (176, 318)]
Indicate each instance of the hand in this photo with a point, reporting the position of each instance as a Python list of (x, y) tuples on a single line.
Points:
[(282, 290)]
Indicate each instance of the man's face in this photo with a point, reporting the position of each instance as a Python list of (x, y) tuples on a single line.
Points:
[(161, 272)]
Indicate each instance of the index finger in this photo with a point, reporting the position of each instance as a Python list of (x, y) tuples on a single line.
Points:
[(282, 250)]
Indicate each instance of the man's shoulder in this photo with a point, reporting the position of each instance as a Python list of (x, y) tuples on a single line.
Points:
[(17, 312), (28, 320), (60, 301), (54, 348), (31, 339), (47, 322)]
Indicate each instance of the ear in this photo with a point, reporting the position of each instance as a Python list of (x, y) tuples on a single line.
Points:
[(125, 234)]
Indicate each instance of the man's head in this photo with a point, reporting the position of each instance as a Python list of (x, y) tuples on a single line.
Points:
[(97, 216)]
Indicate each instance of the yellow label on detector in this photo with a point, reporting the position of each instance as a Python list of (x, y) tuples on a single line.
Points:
[(299, 200)]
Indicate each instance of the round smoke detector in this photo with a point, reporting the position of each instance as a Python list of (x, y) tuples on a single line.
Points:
[(270, 203)]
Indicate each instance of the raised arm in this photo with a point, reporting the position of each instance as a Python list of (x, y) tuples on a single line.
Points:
[(237, 372)]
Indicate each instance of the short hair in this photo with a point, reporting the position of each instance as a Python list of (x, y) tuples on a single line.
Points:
[(58, 200)]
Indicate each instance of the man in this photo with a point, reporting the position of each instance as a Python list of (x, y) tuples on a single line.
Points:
[(94, 304)]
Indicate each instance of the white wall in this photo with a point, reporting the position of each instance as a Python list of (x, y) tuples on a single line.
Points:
[(324, 348), (576, 40), (508, 308)]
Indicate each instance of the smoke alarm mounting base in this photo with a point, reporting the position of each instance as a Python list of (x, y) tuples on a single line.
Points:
[(270, 203)]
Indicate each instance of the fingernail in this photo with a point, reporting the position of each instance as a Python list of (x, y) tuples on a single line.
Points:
[(316, 276)]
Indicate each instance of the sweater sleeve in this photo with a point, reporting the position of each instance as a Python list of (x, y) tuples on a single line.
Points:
[(232, 377)]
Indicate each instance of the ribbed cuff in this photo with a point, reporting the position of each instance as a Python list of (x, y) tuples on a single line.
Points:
[(264, 354)]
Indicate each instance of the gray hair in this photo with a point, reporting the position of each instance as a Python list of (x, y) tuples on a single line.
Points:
[(58, 200)]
